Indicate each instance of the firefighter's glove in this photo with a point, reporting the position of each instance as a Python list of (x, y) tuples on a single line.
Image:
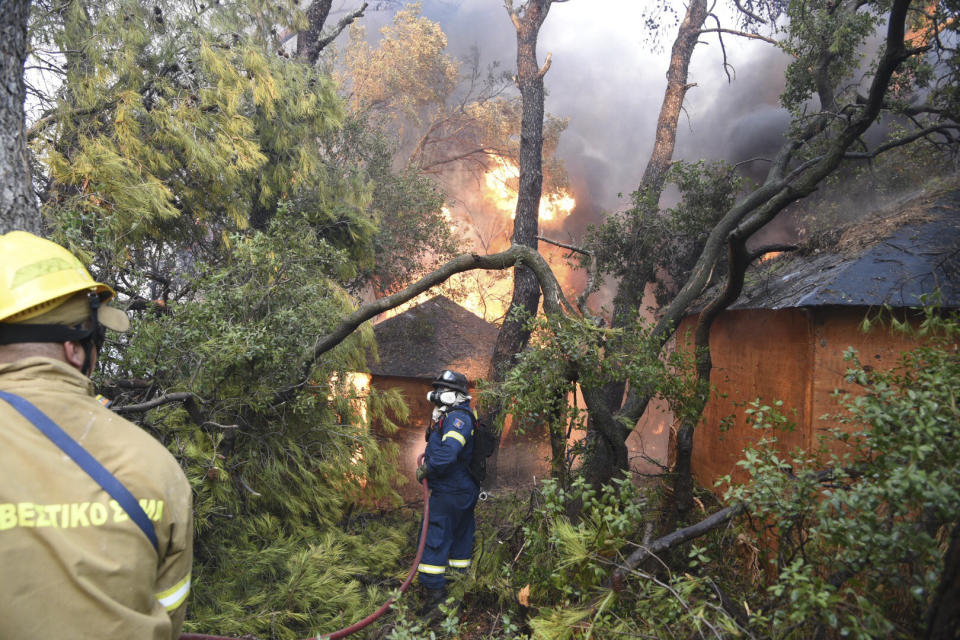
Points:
[(421, 472)]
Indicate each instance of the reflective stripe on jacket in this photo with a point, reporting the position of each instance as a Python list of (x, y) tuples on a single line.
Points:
[(74, 564)]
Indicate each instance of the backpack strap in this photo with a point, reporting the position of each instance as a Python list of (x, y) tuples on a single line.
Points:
[(87, 462)]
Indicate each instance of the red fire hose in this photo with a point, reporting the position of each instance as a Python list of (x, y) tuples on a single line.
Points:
[(383, 608)]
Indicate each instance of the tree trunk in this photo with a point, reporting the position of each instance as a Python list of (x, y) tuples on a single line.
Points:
[(630, 290), (18, 209), (513, 335), (307, 41), (943, 617)]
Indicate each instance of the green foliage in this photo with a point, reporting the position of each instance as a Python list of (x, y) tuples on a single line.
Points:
[(860, 521), (559, 575), (845, 540), (536, 390), (274, 474), (647, 245), (413, 235), (824, 39), (168, 113)]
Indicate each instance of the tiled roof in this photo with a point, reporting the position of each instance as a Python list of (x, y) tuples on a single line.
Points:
[(438, 334)]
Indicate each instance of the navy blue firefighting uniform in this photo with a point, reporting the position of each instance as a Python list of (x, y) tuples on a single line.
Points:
[(453, 496)]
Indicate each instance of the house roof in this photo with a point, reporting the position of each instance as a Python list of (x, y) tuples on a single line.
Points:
[(892, 259), (435, 335)]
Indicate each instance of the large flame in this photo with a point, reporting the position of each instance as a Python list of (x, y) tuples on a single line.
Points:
[(501, 189), (487, 294)]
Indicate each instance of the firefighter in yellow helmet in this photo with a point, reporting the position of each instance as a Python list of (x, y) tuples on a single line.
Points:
[(95, 514)]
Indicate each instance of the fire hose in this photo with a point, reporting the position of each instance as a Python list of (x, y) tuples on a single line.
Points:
[(342, 633)]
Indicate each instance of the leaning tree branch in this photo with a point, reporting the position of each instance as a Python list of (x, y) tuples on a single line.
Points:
[(554, 302), (899, 142)]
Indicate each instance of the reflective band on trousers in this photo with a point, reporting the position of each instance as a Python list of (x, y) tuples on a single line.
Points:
[(453, 434), (175, 595), (459, 564), (431, 568)]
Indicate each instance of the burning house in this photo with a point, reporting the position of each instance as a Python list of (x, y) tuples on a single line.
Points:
[(416, 345), (785, 337)]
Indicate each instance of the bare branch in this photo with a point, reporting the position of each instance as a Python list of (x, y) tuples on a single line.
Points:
[(899, 142), (742, 34), (169, 398), (564, 245), (546, 64), (554, 302), (345, 22)]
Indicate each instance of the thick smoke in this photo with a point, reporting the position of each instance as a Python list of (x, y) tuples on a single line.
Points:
[(608, 79)]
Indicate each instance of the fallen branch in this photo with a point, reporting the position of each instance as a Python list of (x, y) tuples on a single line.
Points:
[(672, 540)]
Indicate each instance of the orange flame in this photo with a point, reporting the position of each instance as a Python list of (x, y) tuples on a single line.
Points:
[(770, 255), (501, 189), (487, 294)]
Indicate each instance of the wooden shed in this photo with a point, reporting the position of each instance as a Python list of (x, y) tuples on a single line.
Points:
[(785, 337), (413, 348)]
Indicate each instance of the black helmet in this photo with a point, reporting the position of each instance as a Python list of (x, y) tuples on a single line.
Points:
[(451, 380)]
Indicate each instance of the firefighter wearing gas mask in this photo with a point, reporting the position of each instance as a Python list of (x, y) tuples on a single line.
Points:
[(454, 493)]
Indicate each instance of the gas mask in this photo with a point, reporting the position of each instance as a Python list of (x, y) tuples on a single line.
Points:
[(442, 397)]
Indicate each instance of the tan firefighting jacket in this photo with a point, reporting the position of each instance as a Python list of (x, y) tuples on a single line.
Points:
[(72, 563)]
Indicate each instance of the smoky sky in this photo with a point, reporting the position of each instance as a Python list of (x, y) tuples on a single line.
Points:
[(608, 80)]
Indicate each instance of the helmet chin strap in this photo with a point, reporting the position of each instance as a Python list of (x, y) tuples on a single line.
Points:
[(88, 342)]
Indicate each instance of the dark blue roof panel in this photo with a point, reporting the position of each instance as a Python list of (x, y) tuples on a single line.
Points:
[(896, 268)]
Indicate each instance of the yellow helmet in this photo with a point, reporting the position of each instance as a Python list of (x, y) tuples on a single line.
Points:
[(37, 275)]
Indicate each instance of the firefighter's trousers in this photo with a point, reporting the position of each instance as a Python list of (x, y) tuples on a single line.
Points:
[(449, 537)]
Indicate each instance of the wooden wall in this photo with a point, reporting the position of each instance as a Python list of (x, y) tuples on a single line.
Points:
[(793, 355)]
